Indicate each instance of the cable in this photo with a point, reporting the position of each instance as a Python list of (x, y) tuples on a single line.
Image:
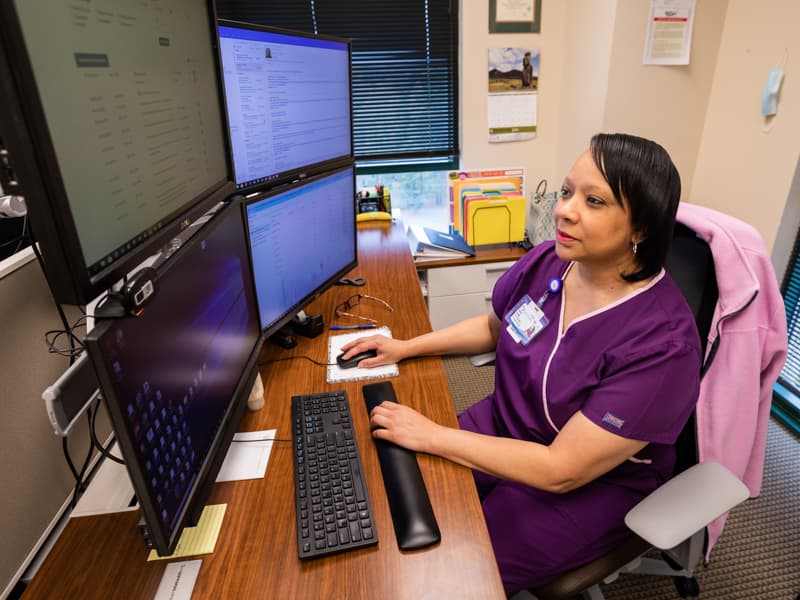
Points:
[(266, 439), (100, 448), (52, 293), (79, 487), (68, 458), (23, 237), (316, 362), (72, 353)]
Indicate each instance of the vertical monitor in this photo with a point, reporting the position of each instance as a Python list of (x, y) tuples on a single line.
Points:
[(119, 129), (287, 98), (176, 378), (302, 240)]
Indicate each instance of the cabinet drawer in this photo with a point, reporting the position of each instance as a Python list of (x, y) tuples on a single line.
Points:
[(447, 310), (467, 279)]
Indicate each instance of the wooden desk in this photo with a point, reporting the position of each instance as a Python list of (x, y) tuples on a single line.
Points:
[(256, 553)]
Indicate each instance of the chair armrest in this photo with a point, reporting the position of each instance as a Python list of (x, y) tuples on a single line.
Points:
[(479, 360), (685, 504)]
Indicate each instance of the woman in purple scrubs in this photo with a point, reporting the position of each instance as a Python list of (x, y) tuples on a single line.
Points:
[(597, 370)]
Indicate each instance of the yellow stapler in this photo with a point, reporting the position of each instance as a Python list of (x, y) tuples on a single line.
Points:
[(375, 215)]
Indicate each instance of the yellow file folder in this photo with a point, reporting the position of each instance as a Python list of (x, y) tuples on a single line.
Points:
[(494, 220), (459, 190)]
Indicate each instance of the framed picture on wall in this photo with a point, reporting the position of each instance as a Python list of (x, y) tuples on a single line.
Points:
[(515, 16)]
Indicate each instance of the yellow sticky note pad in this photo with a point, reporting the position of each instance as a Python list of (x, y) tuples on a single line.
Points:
[(200, 539)]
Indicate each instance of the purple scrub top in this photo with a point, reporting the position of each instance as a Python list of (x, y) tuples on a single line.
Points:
[(631, 368)]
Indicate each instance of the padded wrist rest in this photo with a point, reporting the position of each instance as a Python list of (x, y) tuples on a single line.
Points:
[(414, 523)]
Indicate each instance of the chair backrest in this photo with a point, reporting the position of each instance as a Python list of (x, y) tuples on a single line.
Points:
[(691, 266)]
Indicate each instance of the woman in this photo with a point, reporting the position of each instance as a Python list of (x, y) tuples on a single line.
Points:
[(597, 370)]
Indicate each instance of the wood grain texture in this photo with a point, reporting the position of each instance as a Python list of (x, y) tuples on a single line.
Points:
[(256, 553)]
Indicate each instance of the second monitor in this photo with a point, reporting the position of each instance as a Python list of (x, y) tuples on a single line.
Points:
[(302, 240), (287, 97)]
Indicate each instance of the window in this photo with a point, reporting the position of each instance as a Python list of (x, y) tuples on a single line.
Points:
[(405, 105), (421, 196), (786, 403)]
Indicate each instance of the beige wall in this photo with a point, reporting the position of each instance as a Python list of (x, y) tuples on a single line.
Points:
[(746, 166), (706, 113), (587, 36), (536, 156), (664, 103)]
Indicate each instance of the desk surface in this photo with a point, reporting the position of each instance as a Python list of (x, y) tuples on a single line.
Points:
[(256, 553)]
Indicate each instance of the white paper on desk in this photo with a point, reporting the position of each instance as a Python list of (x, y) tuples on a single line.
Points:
[(247, 456), (178, 580), (336, 373)]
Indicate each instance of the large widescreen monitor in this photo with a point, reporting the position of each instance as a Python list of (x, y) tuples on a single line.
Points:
[(112, 117), (176, 378), (287, 96), (302, 240)]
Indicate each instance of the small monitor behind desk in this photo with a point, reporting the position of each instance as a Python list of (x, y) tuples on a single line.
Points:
[(302, 240), (176, 378)]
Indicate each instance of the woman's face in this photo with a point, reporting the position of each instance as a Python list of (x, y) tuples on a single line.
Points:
[(591, 227)]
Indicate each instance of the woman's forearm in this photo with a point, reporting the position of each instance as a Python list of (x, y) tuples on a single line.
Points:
[(471, 336), (516, 460)]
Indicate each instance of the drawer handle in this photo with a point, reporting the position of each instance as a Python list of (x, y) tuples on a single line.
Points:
[(496, 269)]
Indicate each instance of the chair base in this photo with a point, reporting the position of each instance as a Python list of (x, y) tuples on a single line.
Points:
[(580, 579), (585, 581)]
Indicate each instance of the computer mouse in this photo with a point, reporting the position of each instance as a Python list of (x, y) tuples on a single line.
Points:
[(353, 361)]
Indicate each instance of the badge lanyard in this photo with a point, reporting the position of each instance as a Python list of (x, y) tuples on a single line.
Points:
[(526, 319)]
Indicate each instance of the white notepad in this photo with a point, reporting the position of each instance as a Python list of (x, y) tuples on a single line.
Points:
[(336, 373)]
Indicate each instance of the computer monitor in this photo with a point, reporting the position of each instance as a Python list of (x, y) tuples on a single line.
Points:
[(287, 97), (113, 125), (176, 378), (302, 239)]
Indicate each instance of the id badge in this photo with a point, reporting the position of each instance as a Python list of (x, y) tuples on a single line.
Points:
[(526, 319)]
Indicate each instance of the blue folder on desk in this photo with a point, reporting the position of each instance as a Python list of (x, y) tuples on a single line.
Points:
[(449, 241)]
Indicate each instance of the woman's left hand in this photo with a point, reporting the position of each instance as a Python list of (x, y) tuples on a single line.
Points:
[(403, 426)]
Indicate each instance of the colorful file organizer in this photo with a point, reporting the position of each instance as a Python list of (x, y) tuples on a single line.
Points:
[(488, 207)]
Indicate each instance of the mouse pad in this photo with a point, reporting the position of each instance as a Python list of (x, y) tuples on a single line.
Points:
[(335, 373)]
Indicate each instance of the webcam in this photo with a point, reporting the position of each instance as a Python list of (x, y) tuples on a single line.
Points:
[(138, 290)]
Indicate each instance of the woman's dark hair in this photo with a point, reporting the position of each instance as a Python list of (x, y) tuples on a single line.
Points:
[(642, 172)]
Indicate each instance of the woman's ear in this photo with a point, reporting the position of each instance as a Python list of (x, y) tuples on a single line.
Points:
[(638, 237)]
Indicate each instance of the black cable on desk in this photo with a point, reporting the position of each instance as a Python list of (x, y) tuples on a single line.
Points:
[(308, 358)]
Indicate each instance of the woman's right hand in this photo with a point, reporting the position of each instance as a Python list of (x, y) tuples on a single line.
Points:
[(389, 350)]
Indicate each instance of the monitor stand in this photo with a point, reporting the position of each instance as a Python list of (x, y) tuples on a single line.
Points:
[(309, 326), (284, 337)]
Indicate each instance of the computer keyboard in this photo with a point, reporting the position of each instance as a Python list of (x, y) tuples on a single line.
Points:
[(333, 511)]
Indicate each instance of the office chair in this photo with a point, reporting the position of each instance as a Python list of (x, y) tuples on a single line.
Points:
[(673, 517)]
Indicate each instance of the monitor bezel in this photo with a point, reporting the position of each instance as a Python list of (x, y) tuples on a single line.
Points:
[(33, 157), (163, 541), (303, 171), (270, 329)]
